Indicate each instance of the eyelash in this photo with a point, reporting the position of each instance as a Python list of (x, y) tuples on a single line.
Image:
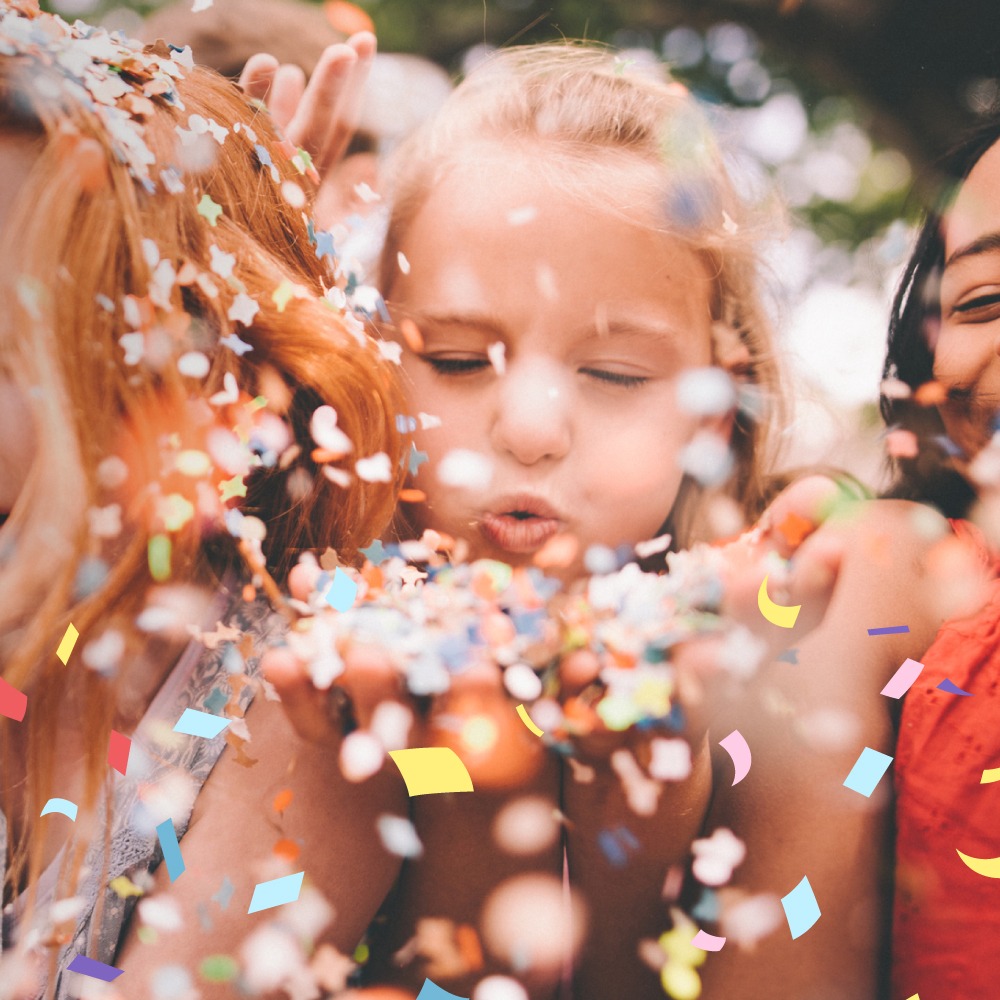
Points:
[(469, 366), (977, 303)]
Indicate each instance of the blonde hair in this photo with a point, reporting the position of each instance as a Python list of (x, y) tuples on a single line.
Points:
[(587, 102), (109, 237)]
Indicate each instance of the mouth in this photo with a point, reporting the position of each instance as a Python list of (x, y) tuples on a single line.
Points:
[(521, 524)]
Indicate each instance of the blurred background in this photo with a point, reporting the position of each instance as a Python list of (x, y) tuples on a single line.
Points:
[(844, 105)]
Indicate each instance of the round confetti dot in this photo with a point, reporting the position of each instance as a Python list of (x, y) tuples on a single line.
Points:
[(361, 755), (218, 969), (499, 988), (526, 826), (193, 364), (522, 683)]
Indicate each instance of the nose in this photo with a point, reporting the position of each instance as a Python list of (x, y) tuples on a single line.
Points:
[(533, 418)]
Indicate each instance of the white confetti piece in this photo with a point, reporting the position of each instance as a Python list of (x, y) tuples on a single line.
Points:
[(375, 469), (465, 469)]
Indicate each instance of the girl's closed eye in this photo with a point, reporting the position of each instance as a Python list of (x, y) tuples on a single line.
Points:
[(613, 378), (980, 308), (444, 365)]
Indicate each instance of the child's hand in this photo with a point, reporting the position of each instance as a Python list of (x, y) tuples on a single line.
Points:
[(321, 116)]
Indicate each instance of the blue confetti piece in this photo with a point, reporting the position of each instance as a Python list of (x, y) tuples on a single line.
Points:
[(612, 849), (195, 723), (263, 155), (707, 907), (867, 771), (431, 991), (951, 688), (94, 969), (343, 591), (171, 849), (789, 656), (216, 701), (277, 892), (889, 630), (324, 245), (62, 806), (801, 908), (417, 458), (375, 553), (225, 893)]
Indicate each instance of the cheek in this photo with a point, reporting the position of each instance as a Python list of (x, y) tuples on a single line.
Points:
[(960, 359)]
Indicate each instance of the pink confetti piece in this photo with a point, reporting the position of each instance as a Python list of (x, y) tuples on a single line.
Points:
[(736, 746), (902, 680), (708, 942)]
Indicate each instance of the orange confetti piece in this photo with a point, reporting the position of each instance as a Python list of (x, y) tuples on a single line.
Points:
[(931, 394), (286, 849), (321, 455), (347, 17), (283, 800), (249, 593), (412, 496), (469, 947), (412, 335), (795, 529), (559, 550)]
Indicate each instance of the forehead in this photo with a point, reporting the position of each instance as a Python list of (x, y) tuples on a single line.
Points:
[(518, 218), (976, 210)]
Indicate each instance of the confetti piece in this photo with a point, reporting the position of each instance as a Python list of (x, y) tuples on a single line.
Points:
[(431, 991), (916, 996), (195, 723), (951, 688), (171, 849), (736, 746), (902, 680), (159, 557), (789, 656), (708, 942), (62, 806), (119, 747), (225, 893), (801, 908), (990, 776), (990, 867), (219, 969), (776, 614), (343, 591), (276, 892), (209, 209), (431, 770), (123, 887), (94, 969), (867, 771), (13, 703), (282, 800), (889, 630), (526, 719), (67, 643)]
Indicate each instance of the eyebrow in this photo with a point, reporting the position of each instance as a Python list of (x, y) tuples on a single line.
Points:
[(478, 321), (990, 243)]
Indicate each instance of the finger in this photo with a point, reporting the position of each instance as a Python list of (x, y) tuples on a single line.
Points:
[(798, 511), (286, 94), (257, 75), (304, 704), (316, 115), (350, 100), (810, 579), (370, 678)]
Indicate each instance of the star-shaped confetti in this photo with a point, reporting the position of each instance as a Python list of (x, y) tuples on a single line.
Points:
[(237, 346), (283, 294), (374, 553), (222, 263), (209, 209), (230, 488), (243, 310), (417, 458), (324, 245)]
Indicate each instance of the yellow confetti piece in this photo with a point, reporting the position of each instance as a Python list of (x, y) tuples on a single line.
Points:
[(123, 887), (432, 770), (989, 777), (680, 981), (776, 614), (990, 867), (158, 554), (67, 643), (526, 719), (283, 294), (230, 488), (209, 209)]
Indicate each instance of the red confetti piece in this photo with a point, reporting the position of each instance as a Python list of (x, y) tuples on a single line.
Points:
[(13, 703), (119, 747)]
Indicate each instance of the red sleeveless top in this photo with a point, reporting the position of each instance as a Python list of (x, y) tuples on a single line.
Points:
[(946, 921)]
